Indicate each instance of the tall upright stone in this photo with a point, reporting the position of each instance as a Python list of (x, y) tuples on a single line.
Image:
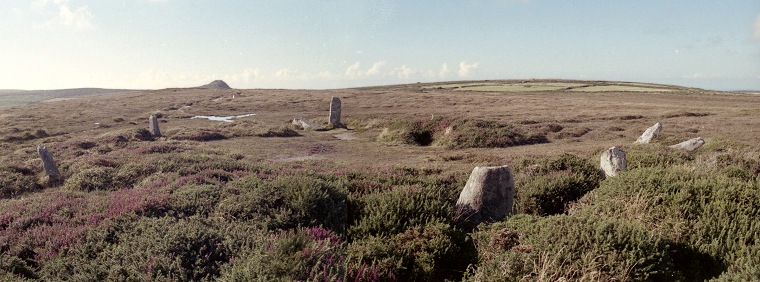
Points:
[(153, 126), (650, 134), (488, 194), (613, 161), (335, 111), (690, 145), (48, 164)]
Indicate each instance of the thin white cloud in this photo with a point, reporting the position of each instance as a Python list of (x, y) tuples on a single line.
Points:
[(283, 73), (79, 18), (700, 75), (354, 71), (466, 69), (402, 72), (444, 71), (756, 35), (375, 69)]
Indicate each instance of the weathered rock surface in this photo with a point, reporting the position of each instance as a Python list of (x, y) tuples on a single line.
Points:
[(690, 145), (153, 126), (613, 161), (306, 124), (335, 105), (650, 134), (488, 194), (48, 164)]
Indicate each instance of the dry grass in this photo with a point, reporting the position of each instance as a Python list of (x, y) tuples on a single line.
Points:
[(581, 123)]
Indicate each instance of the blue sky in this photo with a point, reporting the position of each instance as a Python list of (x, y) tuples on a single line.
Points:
[(150, 44)]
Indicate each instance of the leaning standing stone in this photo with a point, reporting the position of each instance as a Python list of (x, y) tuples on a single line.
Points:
[(488, 194), (48, 164), (690, 145), (335, 111), (153, 126), (650, 134), (613, 161), (306, 124)]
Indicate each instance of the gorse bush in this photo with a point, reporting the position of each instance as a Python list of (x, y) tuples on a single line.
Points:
[(568, 248), (550, 186), (17, 180), (459, 133), (392, 212), (149, 249), (286, 202), (715, 214), (656, 155), (304, 254), (434, 251)]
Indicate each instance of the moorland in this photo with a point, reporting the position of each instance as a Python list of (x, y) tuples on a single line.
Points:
[(258, 199)]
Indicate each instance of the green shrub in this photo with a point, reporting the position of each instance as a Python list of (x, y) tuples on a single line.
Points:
[(713, 214), (17, 180), (201, 134), (655, 155), (91, 179), (430, 252), (14, 269), (193, 200), (282, 131), (150, 249), (394, 211), (552, 185), (569, 248), (304, 254), (459, 133), (286, 202)]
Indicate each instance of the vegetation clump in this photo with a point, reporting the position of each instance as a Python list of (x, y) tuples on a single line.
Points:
[(459, 133)]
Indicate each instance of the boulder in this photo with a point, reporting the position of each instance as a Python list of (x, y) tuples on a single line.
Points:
[(690, 145), (306, 124), (488, 194), (613, 161), (48, 164), (650, 134)]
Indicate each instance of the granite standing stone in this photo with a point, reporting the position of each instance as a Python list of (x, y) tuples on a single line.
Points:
[(335, 111), (488, 194), (48, 164), (650, 134), (153, 126), (690, 145), (613, 161)]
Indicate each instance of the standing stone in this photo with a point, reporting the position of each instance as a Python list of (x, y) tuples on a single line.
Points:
[(48, 164), (153, 126), (690, 145), (488, 194), (650, 134), (613, 161), (335, 111)]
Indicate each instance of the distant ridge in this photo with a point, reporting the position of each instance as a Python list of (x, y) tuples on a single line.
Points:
[(9, 98), (216, 84)]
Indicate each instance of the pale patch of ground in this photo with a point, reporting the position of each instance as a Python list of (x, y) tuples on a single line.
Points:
[(623, 88)]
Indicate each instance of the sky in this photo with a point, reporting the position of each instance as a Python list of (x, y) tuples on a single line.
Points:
[(154, 44)]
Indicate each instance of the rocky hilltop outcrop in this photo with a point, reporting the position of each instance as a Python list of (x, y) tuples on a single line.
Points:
[(216, 84)]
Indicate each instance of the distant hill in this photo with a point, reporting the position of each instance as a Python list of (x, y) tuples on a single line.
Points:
[(216, 84), (10, 98)]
